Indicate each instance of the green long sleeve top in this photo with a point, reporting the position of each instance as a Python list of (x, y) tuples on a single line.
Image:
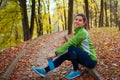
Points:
[(81, 40)]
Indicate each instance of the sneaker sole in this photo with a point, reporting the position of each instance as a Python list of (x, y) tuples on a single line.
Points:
[(33, 67), (73, 77)]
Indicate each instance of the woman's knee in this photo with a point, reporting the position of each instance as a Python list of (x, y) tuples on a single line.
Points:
[(72, 52), (92, 64), (71, 49)]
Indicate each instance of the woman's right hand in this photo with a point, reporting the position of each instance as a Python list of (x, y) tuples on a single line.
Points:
[(50, 56)]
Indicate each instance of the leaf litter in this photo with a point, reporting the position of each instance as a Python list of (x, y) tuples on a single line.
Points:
[(106, 42)]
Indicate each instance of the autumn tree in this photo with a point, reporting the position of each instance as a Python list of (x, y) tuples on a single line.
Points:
[(49, 18), (27, 32), (87, 12), (116, 12), (65, 19), (106, 14), (10, 17), (110, 13), (2, 3), (70, 16), (39, 19), (96, 13), (32, 18), (101, 15)]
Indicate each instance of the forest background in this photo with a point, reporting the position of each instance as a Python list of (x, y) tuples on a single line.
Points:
[(22, 20)]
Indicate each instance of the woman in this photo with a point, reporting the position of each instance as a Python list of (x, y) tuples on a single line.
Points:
[(78, 50)]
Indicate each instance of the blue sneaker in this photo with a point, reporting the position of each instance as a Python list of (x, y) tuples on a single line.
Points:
[(51, 64), (73, 74), (40, 71)]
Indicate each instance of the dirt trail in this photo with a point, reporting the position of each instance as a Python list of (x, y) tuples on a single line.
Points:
[(35, 55)]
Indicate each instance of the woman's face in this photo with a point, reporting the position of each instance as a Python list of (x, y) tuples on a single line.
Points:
[(78, 22)]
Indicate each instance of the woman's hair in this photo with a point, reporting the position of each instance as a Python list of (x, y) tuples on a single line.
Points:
[(84, 19)]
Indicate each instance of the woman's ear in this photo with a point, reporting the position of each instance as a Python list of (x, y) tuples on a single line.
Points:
[(84, 22)]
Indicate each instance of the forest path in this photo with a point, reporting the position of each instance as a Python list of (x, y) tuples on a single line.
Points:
[(35, 55), (35, 51)]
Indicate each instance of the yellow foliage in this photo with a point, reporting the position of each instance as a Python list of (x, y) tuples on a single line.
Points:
[(89, 1)]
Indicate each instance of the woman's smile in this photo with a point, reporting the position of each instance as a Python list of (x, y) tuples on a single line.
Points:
[(78, 22)]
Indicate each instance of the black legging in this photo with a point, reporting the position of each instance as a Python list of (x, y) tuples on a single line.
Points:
[(76, 56)]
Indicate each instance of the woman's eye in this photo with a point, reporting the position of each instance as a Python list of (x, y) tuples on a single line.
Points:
[(80, 20), (76, 19)]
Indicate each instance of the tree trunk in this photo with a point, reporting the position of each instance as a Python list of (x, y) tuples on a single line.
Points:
[(65, 19), (90, 19), (70, 16), (26, 31), (115, 14), (101, 15), (95, 17), (40, 26), (48, 6), (62, 21), (87, 12), (0, 3), (96, 12), (106, 16), (119, 26), (110, 13), (3, 3), (32, 18)]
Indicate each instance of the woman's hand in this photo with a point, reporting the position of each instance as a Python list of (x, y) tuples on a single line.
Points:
[(50, 56)]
